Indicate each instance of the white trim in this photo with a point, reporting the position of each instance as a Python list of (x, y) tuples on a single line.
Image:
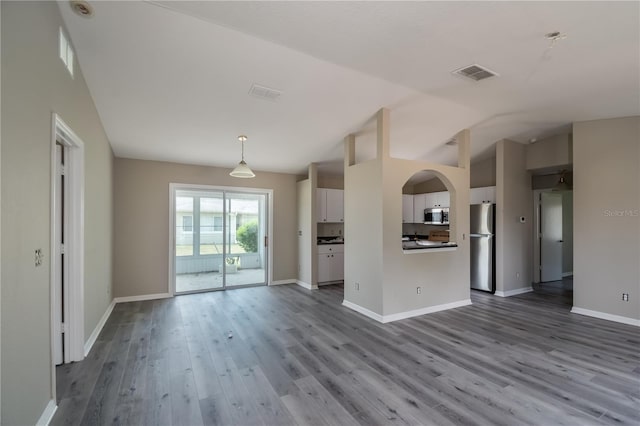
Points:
[(427, 310), (605, 316), (47, 414), (567, 274), (514, 291), (96, 331), (307, 285), (407, 314), (364, 311), (142, 297), (281, 282)]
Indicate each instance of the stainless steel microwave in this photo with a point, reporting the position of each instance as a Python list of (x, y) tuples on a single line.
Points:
[(439, 216)]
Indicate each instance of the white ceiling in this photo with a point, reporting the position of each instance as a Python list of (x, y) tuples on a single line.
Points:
[(170, 79)]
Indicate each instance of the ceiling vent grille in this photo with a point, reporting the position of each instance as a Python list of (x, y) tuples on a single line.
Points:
[(264, 92), (475, 72)]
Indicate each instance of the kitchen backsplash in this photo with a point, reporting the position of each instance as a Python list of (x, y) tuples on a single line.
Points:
[(330, 229)]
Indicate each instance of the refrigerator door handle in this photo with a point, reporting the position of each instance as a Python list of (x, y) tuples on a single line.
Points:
[(481, 235)]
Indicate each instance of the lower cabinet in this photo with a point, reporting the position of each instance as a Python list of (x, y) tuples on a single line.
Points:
[(330, 263)]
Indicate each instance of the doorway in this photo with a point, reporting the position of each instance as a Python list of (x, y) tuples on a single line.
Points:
[(67, 244), (219, 238), (553, 245)]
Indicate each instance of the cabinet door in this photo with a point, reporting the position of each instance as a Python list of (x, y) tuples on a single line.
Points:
[(444, 199), (431, 200), (476, 195), (407, 208), (335, 205), (324, 268), (419, 204), (490, 194), (321, 204), (337, 267)]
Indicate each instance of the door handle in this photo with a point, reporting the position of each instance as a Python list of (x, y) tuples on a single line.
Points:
[(560, 241)]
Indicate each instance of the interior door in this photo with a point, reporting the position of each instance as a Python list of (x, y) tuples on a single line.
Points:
[(550, 236)]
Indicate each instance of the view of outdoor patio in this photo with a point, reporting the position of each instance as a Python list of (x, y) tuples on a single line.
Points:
[(217, 240)]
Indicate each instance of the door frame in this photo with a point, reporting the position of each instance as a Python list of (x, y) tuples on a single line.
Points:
[(73, 295), (173, 187)]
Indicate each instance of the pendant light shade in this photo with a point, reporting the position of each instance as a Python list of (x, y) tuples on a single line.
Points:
[(242, 170)]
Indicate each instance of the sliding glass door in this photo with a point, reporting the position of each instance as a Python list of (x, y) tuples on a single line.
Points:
[(220, 239)]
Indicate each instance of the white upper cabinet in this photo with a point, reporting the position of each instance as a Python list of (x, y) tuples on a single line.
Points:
[(330, 204), (481, 195), (437, 199), (407, 208), (419, 204)]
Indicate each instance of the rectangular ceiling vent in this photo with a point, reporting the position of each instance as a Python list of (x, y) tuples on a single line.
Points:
[(475, 72), (264, 92)]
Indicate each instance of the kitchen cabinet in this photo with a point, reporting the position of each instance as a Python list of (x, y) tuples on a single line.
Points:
[(437, 199), (330, 263), (407, 208), (486, 194), (330, 205), (419, 204)]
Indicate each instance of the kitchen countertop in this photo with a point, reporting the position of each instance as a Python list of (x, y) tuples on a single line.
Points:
[(421, 246), (330, 240)]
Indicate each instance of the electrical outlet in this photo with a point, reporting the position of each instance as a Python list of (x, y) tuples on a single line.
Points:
[(419, 290), (625, 297), (357, 286), (38, 257)]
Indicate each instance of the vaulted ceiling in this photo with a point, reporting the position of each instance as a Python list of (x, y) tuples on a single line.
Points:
[(171, 80)]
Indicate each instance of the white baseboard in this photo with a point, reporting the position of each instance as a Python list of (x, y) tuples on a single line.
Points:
[(514, 292), (605, 316), (306, 285), (427, 310), (364, 311), (47, 414), (142, 297), (567, 274), (407, 314), (96, 331), (281, 282)]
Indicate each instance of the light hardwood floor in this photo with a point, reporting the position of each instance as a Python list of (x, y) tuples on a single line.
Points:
[(299, 357)]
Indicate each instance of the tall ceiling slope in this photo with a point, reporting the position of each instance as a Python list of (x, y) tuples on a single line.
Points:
[(171, 80)]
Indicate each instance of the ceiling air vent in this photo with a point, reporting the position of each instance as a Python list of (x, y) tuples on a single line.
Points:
[(264, 92), (475, 72)]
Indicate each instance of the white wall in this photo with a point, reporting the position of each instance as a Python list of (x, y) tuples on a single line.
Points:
[(35, 83), (606, 197), (514, 198)]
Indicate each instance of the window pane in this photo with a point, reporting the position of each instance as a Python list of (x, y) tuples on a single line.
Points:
[(184, 226)]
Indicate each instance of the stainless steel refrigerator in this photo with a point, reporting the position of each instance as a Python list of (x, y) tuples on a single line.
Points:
[(483, 247)]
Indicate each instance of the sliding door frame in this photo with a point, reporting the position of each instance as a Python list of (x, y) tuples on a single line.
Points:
[(174, 187)]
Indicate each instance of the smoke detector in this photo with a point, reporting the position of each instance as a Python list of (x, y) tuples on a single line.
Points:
[(82, 8), (475, 72)]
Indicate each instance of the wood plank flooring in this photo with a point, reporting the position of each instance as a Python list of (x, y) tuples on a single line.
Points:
[(299, 357)]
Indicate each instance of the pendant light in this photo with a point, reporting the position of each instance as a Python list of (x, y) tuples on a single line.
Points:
[(242, 170)]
